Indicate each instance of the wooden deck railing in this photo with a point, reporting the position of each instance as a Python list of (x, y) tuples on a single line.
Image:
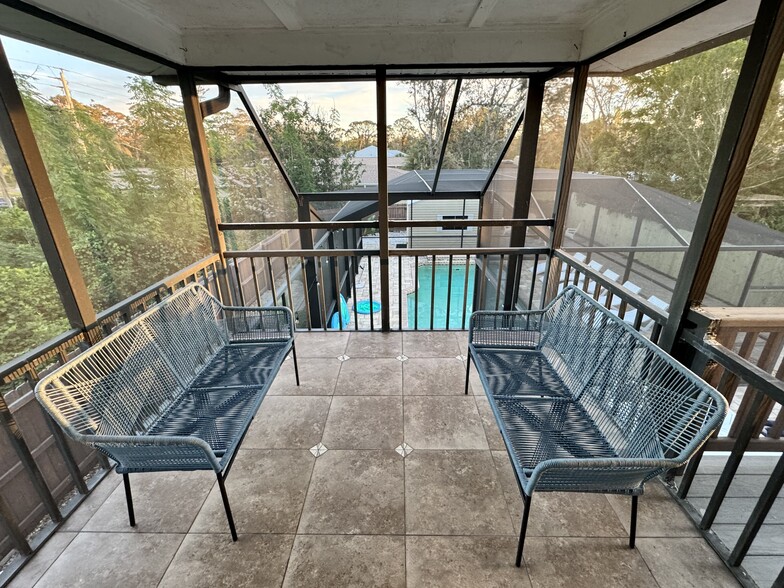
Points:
[(757, 336)]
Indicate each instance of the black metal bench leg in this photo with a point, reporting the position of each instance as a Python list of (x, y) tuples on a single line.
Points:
[(129, 500), (227, 507), (468, 369), (294, 357), (523, 529), (633, 526)]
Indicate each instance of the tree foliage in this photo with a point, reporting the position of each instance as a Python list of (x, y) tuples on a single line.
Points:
[(308, 143), (127, 190)]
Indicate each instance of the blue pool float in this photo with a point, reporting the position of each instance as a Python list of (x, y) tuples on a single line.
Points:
[(333, 323), (363, 306)]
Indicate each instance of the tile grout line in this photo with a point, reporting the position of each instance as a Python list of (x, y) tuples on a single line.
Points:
[(176, 551), (312, 469), (76, 534), (193, 522), (405, 457)]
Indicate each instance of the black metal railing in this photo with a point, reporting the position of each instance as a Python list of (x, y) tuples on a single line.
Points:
[(640, 313), (314, 283)]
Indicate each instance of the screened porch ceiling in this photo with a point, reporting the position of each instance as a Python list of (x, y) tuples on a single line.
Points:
[(306, 38)]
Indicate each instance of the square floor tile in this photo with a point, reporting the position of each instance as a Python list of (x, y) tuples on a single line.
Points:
[(355, 492), (430, 344), (320, 344), (364, 422), (463, 562), (658, 515), (163, 502), (441, 422), (92, 503), (375, 345), (207, 560), (454, 493), (474, 383), (288, 422), (108, 559), (347, 561), (46, 556), (685, 562), (317, 377), (434, 376), (559, 514), (559, 562), (462, 342), (490, 424), (266, 490), (377, 377)]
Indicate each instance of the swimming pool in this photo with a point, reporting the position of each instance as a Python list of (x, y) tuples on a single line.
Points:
[(457, 304)]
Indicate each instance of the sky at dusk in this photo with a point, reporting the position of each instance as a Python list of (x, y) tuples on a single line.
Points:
[(92, 82)]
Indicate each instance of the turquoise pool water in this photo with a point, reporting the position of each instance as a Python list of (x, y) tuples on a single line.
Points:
[(457, 304)]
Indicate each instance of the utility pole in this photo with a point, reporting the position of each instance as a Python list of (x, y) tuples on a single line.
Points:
[(67, 91)]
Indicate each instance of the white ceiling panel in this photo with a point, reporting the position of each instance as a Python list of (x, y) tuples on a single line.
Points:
[(270, 33)]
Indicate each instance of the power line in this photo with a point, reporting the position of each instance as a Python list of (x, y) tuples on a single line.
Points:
[(55, 67), (77, 87)]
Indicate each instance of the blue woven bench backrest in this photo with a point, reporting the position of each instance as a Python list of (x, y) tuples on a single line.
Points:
[(643, 401), (576, 337), (190, 329), (123, 384)]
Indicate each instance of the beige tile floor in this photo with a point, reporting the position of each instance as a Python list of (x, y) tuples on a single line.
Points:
[(361, 514)]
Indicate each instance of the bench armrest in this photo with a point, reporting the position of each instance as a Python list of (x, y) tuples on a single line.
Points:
[(506, 328), (249, 324), (573, 470), (155, 448)]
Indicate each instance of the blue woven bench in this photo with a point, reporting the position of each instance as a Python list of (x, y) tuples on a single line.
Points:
[(174, 389), (584, 402)]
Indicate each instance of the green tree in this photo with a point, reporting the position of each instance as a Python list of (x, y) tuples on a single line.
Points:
[(430, 103), (485, 112), (400, 134), (308, 143), (358, 135), (134, 214), (669, 136)]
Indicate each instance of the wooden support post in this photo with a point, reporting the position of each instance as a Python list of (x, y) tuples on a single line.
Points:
[(524, 184), (383, 194), (564, 184), (201, 158), (38, 195), (310, 275), (752, 89)]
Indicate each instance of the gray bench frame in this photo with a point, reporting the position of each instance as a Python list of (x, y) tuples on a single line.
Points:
[(640, 413), (126, 394)]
